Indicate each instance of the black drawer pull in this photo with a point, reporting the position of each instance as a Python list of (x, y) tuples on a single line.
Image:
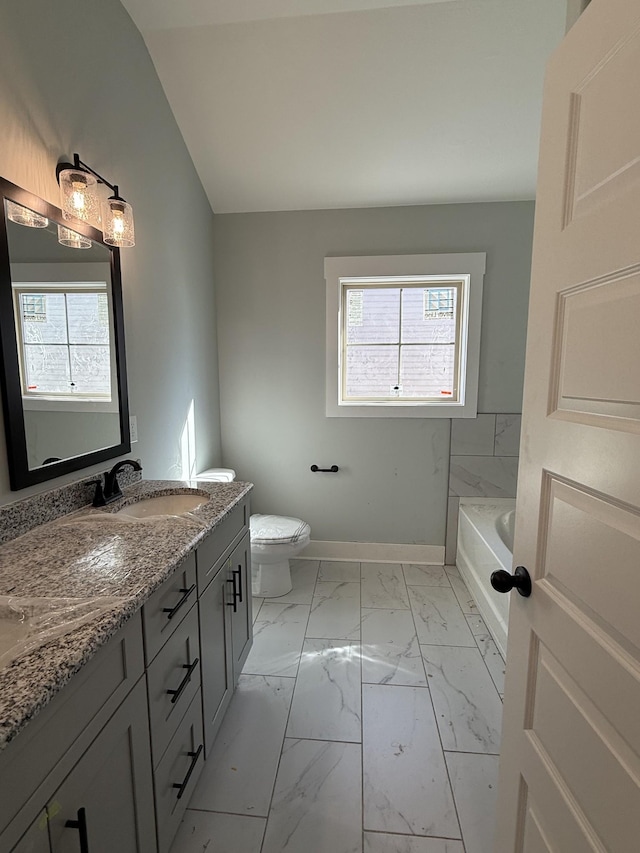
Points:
[(333, 470), (171, 611), (238, 572), (233, 603), (176, 694), (194, 756), (81, 825)]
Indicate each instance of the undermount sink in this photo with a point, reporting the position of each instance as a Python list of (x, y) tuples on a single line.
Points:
[(177, 504)]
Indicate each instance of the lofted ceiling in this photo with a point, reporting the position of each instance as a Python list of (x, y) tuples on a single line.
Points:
[(306, 104)]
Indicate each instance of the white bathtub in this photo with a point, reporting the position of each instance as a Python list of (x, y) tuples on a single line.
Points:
[(485, 544)]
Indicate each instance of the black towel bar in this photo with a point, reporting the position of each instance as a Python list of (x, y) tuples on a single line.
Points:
[(333, 470)]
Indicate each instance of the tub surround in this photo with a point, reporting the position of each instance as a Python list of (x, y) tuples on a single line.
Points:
[(483, 464), (90, 554)]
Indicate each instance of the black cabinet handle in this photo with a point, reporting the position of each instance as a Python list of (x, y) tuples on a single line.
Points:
[(333, 470), (238, 572), (81, 825), (502, 581), (233, 603), (171, 611), (194, 756), (176, 694)]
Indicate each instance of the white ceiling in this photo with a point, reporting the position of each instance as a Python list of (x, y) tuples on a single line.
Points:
[(303, 104)]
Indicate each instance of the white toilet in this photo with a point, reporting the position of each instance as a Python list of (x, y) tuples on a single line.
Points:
[(275, 539)]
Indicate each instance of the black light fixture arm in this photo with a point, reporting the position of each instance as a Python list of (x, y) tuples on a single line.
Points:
[(82, 166)]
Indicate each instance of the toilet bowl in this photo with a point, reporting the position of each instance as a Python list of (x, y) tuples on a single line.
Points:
[(275, 539)]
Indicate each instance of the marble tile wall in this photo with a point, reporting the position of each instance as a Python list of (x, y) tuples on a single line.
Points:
[(483, 463)]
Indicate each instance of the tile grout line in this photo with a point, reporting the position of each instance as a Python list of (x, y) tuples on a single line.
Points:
[(435, 720), (286, 726), (359, 644)]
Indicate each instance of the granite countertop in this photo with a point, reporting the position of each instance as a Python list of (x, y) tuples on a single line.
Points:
[(89, 554)]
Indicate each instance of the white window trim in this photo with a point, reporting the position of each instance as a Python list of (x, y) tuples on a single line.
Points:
[(461, 265)]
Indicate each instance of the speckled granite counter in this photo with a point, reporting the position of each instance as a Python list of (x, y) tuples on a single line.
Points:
[(89, 554)]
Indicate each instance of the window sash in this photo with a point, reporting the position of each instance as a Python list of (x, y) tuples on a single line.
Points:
[(433, 285), (31, 290)]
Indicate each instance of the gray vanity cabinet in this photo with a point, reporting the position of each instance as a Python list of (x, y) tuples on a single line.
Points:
[(36, 839), (215, 643), (88, 749), (108, 797), (110, 764), (241, 614), (226, 624)]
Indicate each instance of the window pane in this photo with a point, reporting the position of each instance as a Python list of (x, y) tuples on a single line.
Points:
[(88, 318), (90, 370), (372, 316), (428, 315), (427, 371), (371, 371), (43, 318), (47, 369)]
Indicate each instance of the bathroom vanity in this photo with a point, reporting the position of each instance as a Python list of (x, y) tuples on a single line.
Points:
[(106, 729)]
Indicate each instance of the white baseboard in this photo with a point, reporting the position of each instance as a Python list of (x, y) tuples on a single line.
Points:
[(374, 552)]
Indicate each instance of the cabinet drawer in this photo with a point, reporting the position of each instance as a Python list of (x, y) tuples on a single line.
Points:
[(168, 606), (213, 548), (173, 680), (177, 774), (34, 764)]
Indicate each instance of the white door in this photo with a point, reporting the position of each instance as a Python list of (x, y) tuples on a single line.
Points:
[(570, 767)]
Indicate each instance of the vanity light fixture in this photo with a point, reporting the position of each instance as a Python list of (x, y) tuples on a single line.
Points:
[(72, 239), (23, 216), (79, 199)]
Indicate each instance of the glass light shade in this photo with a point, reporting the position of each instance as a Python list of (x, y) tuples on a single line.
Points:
[(79, 197), (117, 223), (70, 238), (23, 216)]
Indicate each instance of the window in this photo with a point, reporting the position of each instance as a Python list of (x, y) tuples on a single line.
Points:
[(64, 340), (403, 335)]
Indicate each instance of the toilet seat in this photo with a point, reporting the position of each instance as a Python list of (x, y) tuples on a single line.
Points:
[(277, 529)]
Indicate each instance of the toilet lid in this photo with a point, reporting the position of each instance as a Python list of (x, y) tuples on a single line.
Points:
[(277, 528)]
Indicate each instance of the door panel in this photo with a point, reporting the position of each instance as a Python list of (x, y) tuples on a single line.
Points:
[(570, 766), (595, 345)]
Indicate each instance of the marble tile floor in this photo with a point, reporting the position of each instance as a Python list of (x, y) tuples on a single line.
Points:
[(367, 720)]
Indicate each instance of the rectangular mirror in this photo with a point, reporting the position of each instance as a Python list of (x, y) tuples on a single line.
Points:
[(64, 383)]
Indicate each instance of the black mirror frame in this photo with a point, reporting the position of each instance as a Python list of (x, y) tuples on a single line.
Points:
[(20, 475)]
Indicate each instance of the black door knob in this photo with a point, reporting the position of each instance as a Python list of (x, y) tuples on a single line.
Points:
[(504, 582)]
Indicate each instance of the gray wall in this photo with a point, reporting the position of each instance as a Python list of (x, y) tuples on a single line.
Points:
[(75, 75), (393, 479), (67, 434)]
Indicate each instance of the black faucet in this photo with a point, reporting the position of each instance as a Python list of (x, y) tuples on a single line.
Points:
[(111, 490)]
